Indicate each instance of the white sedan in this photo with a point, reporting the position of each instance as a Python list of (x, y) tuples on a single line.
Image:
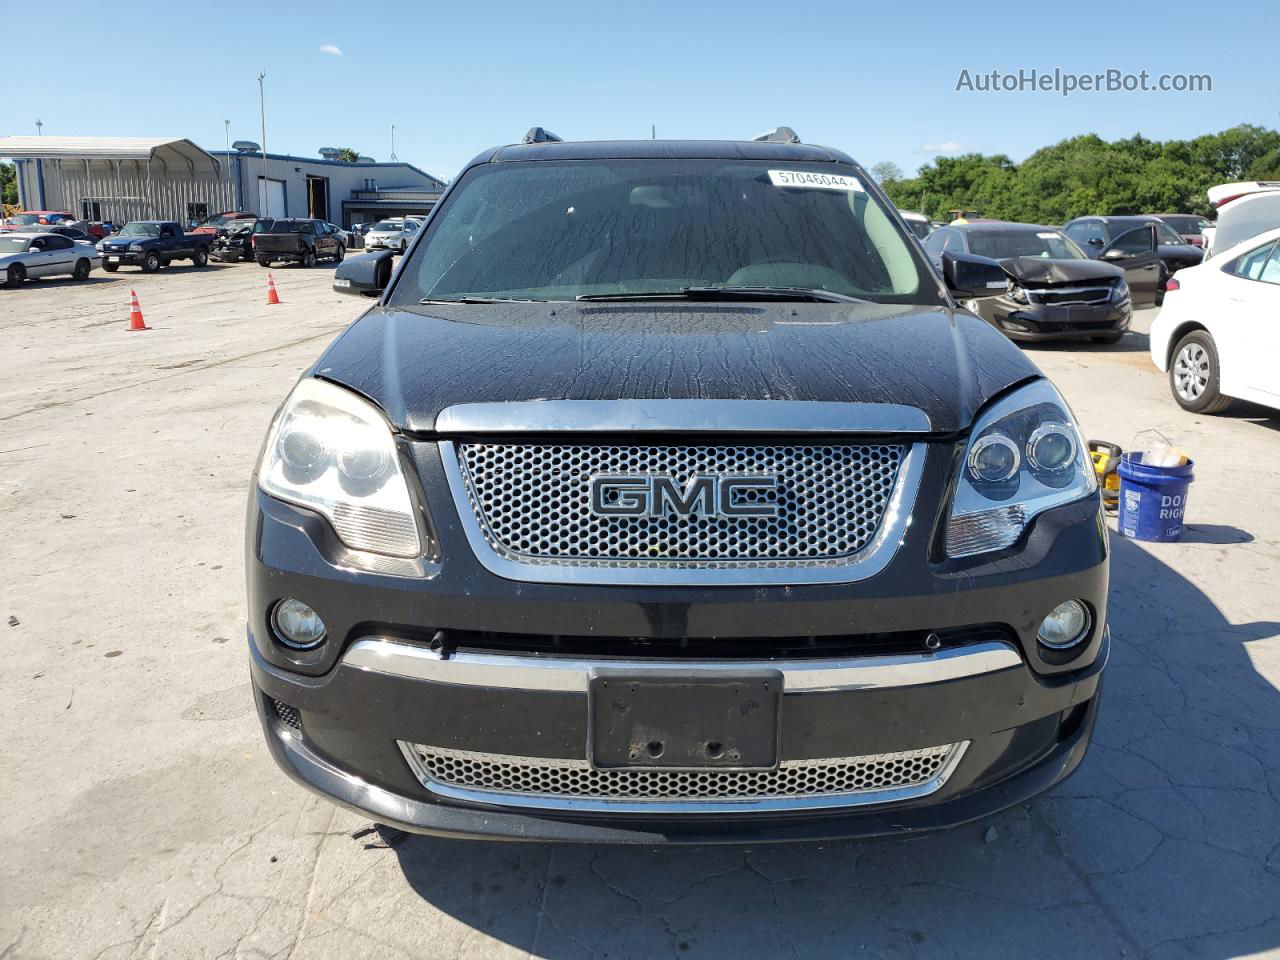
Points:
[(26, 256), (1218, 334)]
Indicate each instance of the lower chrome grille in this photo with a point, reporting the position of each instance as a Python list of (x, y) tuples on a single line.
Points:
[(512, 780), (288, 715)]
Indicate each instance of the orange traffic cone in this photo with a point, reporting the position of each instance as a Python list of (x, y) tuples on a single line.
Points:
[(135, 314), (272, 296)]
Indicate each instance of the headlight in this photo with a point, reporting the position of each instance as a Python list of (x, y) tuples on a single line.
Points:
[(136, 245), (1025, 455), (1120, 292), (333, 452), (1016, 293)]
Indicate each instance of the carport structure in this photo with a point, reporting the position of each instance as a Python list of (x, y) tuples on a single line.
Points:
[(118, 178)]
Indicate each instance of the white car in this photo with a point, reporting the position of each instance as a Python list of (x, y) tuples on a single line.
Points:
[(918, 223), (1218, 333), (387, 235), (28, 256)]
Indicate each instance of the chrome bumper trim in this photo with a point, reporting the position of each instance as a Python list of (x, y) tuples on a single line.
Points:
[(681, 416), (556, 675)]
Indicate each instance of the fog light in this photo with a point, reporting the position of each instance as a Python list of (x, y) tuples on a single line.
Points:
[(1065, 626), (297, 625)]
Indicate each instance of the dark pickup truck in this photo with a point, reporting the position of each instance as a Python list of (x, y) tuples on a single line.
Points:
[(152, 244), (297, 241)]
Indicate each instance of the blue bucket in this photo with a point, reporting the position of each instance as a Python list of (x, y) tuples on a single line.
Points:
[(1152, 499)]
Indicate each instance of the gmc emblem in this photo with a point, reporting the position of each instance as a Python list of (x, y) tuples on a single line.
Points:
[(708, 496)]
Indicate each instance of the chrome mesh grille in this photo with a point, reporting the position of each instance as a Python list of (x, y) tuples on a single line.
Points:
[(288, 715), (578, 779), (532, 501)]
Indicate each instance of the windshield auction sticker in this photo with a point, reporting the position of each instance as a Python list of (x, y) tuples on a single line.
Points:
[(819, 181)]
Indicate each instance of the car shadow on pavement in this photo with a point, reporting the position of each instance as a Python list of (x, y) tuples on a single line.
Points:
[(1132, 342), (1166, 843)]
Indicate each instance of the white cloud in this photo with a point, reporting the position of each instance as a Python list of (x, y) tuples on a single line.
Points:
[(949, 146), (331, 48)]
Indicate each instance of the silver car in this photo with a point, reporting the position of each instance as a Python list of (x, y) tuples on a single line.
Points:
[(26, 256), (386, 235)]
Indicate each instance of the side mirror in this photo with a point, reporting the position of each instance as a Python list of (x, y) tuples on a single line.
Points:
[(971, 278), (1095, 242), (1114, 254), (366, 275)]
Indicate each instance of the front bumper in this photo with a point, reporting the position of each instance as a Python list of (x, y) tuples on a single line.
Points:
[(128, 258), (1034, 322), (377, 682)]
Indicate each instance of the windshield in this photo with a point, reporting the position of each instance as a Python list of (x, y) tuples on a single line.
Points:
[(140, 230), (1188, 224), (12, 245), (558, 230), (1045, 244), (389, 226)]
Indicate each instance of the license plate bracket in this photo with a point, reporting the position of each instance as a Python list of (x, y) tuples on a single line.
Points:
[(691, 722)]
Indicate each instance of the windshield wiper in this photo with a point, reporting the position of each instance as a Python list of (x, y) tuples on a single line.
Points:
[(814, 294), (480, 300)]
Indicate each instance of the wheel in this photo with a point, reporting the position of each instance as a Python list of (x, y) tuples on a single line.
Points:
[(1108, 338), (81, 272), (1194, 374), (14, 276), (111, 267), (341, 252), (151, 263), (309, 259), (263, 263), (201, 258)]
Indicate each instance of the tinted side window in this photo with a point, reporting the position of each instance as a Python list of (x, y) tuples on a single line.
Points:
[(1135, 242), (933, 242), (954, 242), (56, 242), (1077, 231), (1252, 265), (1271, 272)]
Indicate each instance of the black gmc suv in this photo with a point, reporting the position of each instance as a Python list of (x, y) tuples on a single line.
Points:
[(666, 494)]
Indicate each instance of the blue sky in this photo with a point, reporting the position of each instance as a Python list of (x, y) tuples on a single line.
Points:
[(877, 80)]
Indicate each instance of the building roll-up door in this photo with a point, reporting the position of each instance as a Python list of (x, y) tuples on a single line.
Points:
[(271, 198)]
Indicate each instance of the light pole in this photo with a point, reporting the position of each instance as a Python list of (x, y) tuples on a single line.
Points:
[(39, 128), (393, 143), (263, 193), (231, 201)]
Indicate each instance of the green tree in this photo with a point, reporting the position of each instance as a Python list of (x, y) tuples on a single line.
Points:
[(8, 184), (886, 171), (348, 154)]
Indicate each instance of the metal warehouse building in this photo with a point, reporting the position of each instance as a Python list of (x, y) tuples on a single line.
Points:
[(143, 178)]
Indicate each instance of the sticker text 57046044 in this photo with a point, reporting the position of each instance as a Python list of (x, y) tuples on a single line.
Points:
[(820, 181)]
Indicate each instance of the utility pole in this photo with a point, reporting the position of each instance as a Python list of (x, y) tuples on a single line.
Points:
[(653, 131), (393, 143), (39, 128)]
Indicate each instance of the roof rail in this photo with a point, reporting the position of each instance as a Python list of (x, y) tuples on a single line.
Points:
[(777, 135), (541, 135)]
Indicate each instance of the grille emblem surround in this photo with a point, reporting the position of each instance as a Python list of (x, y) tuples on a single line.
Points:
[(660, 495)]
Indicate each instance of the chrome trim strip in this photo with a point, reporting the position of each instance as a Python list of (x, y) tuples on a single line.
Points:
[(669, 807), (873, 558), (556, 675), (681, 416)]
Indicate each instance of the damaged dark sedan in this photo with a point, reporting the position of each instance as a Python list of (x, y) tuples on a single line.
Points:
[(1053, 292), (664, 493)]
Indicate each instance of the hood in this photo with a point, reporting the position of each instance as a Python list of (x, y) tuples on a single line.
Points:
[(1039, 270), (415, 362)]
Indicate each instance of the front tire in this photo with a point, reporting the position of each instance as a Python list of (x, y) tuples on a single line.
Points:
[(151, 263), (341, 252), (14, 276), (309, 259), (263, 262), (201, 258), (111, 267), (1195, 376), (81, 272)]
